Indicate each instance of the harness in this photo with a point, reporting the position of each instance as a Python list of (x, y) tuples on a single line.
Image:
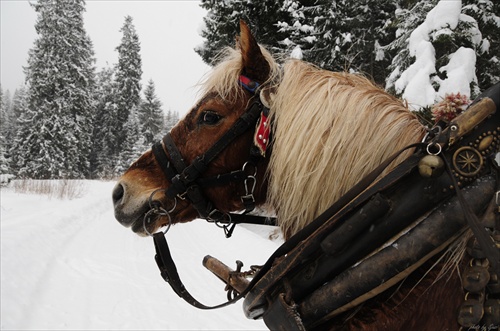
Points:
[(187, 183), (186, 180), (288, 291)]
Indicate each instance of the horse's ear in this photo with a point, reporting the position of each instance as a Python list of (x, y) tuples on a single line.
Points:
[(255, 65)]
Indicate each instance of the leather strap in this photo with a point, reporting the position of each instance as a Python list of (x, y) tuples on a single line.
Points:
[(169, 272), (484, 239)]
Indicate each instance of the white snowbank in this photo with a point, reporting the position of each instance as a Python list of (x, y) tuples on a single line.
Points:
[(68, 265)]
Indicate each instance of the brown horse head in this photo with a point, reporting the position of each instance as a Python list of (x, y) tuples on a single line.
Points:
[(329, 130), (226, 98)]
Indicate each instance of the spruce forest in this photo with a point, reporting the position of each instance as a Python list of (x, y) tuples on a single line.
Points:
[(71, 121)]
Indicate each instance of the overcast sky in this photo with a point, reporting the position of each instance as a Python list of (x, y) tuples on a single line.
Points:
[(168, 32)]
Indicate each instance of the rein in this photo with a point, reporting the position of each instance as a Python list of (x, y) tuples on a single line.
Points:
[(187, 184), (169, 273)]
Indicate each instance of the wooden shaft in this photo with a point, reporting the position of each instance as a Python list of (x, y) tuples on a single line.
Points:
[(226, 274)]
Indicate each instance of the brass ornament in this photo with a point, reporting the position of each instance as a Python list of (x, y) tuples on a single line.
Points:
[(491, 315), (475, 278), (485, 143), (467, 161), (431, 166)]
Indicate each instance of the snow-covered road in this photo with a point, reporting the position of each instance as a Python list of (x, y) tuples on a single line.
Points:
[(67, 264)]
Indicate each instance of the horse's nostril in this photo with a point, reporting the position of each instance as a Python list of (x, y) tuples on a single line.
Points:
[(118, 192)]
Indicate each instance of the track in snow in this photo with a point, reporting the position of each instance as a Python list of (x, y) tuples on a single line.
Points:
[(67, 264)]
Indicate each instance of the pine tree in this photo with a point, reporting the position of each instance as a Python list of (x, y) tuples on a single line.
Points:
[(133, 146), (223, 18), (3, 112), (299, 27), (6, 108), (18, 113), (128, 85), (171, 120), (128, 72), (410, 15), (374, 37), (104, 154), (487, 15), (151, 115), (438, 55), (4, 164), (60, 76), (349, 35)]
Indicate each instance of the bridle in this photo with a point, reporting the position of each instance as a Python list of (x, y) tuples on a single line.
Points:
[(187, 183)]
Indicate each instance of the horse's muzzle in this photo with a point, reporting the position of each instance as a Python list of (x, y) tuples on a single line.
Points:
[(128, 211)]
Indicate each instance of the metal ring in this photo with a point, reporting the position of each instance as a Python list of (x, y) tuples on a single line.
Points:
[(434, 144), (154, 205), (161, 212), (224, 225), (175, 206), (248, 163)]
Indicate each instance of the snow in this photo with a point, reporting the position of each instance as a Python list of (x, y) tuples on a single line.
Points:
[(68, 265), (310, 39), (416, 82), (296, 53), (460, 70), (379, 51)]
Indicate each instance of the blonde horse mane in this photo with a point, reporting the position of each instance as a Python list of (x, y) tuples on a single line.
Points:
[(329, 131)]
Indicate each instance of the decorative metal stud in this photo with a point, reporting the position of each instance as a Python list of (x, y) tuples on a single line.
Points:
[(467, 161)]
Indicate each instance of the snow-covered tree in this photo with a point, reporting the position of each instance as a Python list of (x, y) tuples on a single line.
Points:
[(4, 118), (336, 35), (18, 114), (171, 119), (106, 144), (60, 76), (299, 27), (487, 15), (438, 55), (348, 35), (151, 115), (128, 73), (4, 111), (420, 50), (6, 108), (134, 144), (222, 21)]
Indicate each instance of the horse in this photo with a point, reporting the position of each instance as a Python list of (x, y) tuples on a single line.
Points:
[(320, 133)]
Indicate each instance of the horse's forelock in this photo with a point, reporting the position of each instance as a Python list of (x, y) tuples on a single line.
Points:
[(224, 78)]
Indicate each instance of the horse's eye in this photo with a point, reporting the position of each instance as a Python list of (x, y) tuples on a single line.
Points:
[(209, 118)]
